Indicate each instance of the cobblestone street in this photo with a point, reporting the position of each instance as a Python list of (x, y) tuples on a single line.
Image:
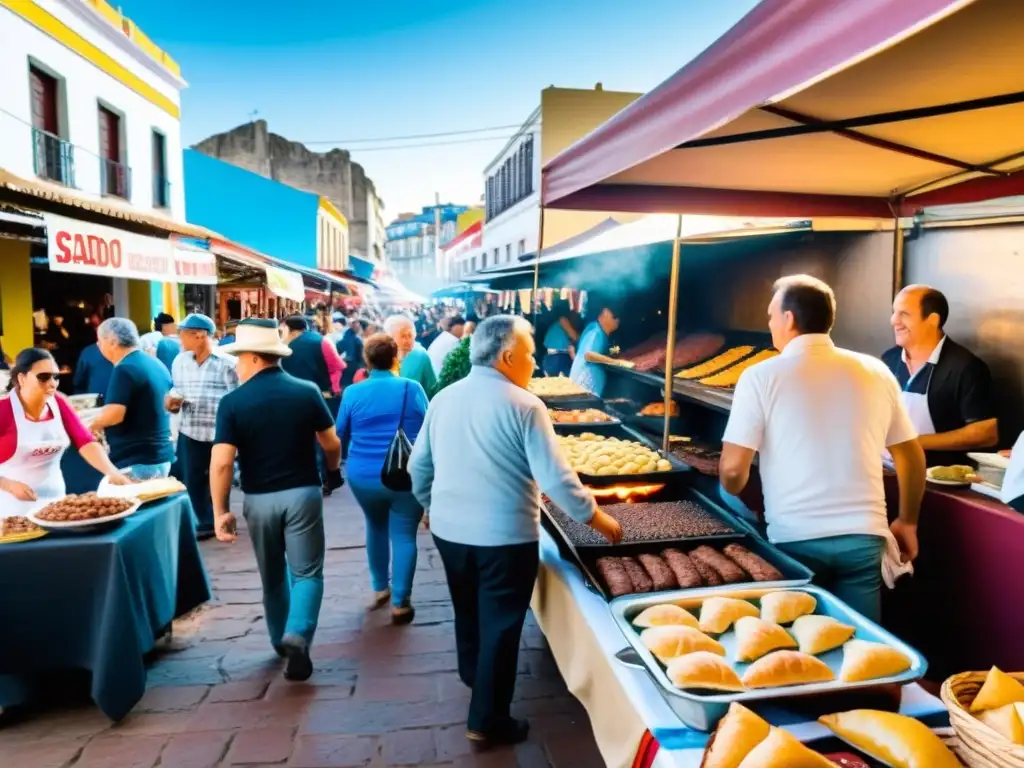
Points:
[(380, 696)]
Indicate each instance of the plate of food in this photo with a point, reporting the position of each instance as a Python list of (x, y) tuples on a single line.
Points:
[(85, 511), (17, 528), (956, 476)]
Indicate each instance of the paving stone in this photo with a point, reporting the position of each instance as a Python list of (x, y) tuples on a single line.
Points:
[(171, 698), (159, 724), (249, 715), (245, 690), (333, 751), (451, 743), (196, 750), (406, 688), (261, 745), (409, 747), (109, 751), (371, 718), (42, 753)]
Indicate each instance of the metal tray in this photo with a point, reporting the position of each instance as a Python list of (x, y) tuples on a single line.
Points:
[(703, 711), (795, 574), (647, 478), (589, 426), (571, 401)]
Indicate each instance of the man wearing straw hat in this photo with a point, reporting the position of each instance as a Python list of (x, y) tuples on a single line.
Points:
[(273, 423)]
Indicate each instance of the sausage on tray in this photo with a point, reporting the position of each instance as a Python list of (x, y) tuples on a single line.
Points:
[(614, 576), (659, 572), (726, 568), (708, 576), (637, 575), (758, 568), (685, 571)]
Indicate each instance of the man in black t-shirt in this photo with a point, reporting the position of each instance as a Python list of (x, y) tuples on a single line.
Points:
[(946, 388), (274, 422)]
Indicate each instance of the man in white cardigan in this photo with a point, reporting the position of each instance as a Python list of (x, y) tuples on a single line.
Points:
[(484, 453)]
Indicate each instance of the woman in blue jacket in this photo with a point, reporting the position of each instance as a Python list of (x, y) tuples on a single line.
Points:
[(368, 418)]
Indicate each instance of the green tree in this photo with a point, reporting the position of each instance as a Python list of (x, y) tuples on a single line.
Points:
[(456, 365)]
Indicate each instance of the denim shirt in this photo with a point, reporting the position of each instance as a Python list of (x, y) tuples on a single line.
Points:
[(368, 420)]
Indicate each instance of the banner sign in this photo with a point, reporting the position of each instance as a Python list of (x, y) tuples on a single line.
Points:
[(286, 284), (194, 266), (84, 248)]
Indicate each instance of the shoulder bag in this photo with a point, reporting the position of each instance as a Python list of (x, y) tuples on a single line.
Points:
[(394, 475)]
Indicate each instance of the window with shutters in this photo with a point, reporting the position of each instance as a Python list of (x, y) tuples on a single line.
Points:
[(115, 175), (53, 157), (161, 185)]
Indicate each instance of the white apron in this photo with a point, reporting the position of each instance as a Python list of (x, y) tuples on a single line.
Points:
[(917, 405), (36, 459)]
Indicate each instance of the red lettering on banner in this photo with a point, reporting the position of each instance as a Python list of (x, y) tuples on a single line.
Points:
[(115, 254), (81, 255), (61, 240), (96, 249)]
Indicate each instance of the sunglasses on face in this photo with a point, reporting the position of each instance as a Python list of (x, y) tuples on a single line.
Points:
[(43, 378)]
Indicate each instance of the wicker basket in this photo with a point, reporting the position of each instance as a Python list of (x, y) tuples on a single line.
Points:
[(980, 746)]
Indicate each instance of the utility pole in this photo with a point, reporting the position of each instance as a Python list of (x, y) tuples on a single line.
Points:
[(437, 235)]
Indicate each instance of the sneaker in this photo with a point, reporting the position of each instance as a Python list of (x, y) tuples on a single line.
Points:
[(514, 732), (403, 615), (299, 666)]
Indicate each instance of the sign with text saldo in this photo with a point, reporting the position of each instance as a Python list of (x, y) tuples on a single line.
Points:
[(93, 249)]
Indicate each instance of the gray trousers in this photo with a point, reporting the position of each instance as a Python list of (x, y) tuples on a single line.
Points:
[(287, 532)]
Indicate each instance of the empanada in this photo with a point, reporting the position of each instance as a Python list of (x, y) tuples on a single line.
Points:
[(896, 740), (998, 690), (782, 750), (718, 613), (704, 670), (756, 637), (663, 615), (781, 668), (669, 642), (1006, 721), (737, 733), (863, 660), (818, 634), (784, 607)]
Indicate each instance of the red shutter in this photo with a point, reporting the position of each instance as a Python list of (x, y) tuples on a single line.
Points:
[(110, 135), (44, 101)]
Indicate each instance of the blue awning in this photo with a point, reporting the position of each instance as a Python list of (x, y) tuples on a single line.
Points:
[(361, 268)]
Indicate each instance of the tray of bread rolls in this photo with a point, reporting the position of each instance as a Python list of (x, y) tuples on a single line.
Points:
[(706, 649)]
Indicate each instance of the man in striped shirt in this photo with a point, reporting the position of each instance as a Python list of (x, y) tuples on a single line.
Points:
[(202, 375)]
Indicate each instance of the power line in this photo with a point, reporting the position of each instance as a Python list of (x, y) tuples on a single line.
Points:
[(442, 134), (357, 150)]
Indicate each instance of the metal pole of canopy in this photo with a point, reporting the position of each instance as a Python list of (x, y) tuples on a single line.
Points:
[(536, 269), (897, 256), (670, 342)]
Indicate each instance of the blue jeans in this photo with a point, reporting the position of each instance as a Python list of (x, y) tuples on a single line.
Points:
[(287, 532), (850, 567), (392, 519), (147, 471)]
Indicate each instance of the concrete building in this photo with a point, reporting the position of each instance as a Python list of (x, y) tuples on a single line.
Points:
[(412, 250), (270, 217), (512, 179), (89, 119), (331, 175)]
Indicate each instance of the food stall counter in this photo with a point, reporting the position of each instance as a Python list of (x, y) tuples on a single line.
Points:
[(629, 716)]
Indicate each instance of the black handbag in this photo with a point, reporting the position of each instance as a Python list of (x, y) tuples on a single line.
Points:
[(394, 475)]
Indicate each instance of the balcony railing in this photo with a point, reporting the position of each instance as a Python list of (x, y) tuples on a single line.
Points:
[(53, 157), (161, 192), (115, 179)]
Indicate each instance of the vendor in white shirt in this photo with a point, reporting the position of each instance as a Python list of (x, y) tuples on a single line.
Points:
[(820, 416)]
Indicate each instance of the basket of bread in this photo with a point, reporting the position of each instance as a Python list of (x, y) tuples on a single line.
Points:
[(986, 709)]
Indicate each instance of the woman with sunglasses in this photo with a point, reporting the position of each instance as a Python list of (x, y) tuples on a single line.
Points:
[(36, 426)]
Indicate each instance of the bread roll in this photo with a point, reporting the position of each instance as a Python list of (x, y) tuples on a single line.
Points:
[(896, 740), (863, 660), (717, 614), (666, 614), (786, 606), (736, 735), (756, 637), (703, 670), (818, 634), (781, 750), (782, 668), (669, 642)]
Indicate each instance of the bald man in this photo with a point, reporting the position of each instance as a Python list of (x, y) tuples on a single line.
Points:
[(946, 388)]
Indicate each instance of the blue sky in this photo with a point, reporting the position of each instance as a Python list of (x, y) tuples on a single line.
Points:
[(319, 72)]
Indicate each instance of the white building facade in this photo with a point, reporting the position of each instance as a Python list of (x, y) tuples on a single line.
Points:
[(88, 103), (511, 204)]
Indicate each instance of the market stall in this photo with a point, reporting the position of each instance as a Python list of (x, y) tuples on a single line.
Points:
[(851, 127), (97, 602)]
